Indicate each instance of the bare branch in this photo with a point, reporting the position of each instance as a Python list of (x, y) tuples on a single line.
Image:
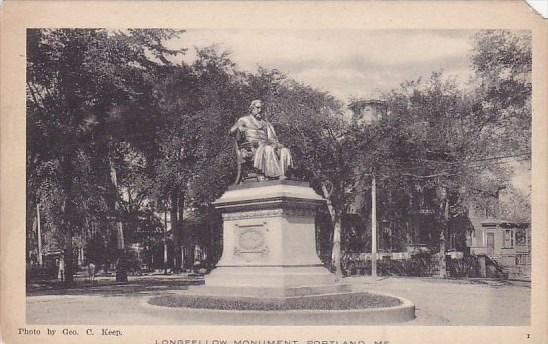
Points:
[(430, 176)]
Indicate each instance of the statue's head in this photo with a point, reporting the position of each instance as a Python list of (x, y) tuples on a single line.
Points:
[(255, 108)]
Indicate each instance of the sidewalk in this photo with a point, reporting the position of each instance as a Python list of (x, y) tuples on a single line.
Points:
[(437, 301), (84, 283), (493, 282)]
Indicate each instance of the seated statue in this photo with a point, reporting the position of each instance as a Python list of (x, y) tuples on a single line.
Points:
[(258, 149)]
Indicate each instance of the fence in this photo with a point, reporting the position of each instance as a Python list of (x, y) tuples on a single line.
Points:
[(422, 265)]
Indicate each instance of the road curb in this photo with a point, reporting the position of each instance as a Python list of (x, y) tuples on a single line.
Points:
[(368, 316)]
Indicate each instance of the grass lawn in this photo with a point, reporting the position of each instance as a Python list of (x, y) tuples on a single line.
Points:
[(321, 302)]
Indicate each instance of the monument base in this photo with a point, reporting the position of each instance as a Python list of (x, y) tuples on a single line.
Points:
[(269, 281), (270, 274), (269, 243)]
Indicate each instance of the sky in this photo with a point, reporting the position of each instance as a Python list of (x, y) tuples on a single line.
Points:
[(346, 63)]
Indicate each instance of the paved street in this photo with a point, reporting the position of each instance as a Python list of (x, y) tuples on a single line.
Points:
[(458, 302), (438, 302)]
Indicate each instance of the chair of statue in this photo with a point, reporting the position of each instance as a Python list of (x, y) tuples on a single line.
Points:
[(245, 153)]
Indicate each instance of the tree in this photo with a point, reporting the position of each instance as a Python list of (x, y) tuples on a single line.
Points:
[(456, 142), (502, 62), (421, 150), (78, 82), (195, 106)]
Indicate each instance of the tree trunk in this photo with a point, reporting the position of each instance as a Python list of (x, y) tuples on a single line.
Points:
[(122, 263), (67, 223), (336, 255), (336, 220), (175, 230), (185, 238), (30, 223), (39, 234), (106, 260), (67, 271), (443, 237), (442, 262), (67, 257)]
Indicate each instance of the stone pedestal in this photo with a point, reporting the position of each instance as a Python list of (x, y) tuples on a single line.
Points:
[(269, 244)]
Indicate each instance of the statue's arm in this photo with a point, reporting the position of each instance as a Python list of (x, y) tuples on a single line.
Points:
[(237, 126)]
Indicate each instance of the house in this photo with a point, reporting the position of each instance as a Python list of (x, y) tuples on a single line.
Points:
[(507, 243)]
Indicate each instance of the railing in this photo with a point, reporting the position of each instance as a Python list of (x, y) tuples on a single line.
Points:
[(423, 265), (498, 270)]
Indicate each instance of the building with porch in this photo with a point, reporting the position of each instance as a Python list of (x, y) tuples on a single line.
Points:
[(505, 242)]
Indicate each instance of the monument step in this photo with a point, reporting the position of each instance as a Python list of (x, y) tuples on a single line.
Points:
[(265, 277)]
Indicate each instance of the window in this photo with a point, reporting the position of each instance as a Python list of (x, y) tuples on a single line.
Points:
[(521, 237), (508, 238)]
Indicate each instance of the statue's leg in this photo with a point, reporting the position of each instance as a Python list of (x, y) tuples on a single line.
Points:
[(285, 161), (272, 168)]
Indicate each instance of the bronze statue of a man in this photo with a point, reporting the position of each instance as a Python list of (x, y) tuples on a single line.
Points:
[(260, 142)]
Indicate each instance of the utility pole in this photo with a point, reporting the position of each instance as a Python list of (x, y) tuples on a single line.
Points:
[(369, 112), (373, 227), (40, 261), (165, 241)]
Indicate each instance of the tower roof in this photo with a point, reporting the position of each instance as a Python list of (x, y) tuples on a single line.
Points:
[(357, 104)]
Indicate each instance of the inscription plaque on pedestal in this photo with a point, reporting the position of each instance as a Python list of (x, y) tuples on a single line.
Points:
[(251, 241)]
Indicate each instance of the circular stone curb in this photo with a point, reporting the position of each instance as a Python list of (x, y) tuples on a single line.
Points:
[(367, 316)]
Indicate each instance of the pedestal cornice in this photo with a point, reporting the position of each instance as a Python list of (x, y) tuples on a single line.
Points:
[(270, 198)]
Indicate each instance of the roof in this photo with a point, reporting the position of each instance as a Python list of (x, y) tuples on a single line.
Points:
[(504, 223), (362, 102)]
